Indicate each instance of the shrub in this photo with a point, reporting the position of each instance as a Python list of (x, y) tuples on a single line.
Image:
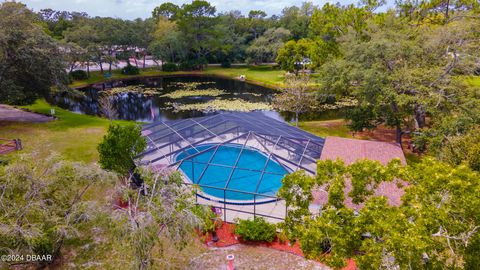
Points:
[(226, 64), (209, 220), (119, 147), (257, 229), (196, 64), (169, 67), (187, 65), (130, 70), (78, 75), (282, 238)]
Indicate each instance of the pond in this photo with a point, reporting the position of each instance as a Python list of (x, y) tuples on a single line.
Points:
[(171, 97)]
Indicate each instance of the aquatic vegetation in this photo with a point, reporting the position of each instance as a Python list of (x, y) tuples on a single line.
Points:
[(190, 85), (213, 92), (223, 105), (133, 89)]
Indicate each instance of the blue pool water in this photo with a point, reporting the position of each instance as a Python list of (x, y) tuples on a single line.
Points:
[(247, 175)]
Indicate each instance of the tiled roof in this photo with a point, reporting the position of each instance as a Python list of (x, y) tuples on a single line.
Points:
[(351, 150)]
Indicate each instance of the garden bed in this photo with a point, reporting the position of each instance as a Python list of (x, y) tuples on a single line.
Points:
[(228, 238)]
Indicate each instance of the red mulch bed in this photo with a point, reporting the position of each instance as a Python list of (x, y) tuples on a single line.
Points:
[(227, 238)]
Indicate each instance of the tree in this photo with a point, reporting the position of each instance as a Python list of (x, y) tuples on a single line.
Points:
[(264, 49), (158, 214), (119, 147), (257, 22), (85, 36), (30, 61), (433, 228), (44, 205), (168, 44), (166, 10), (297, 19), (436, 11), (400, 75), (197, 23), (296, 96), (292, 53)]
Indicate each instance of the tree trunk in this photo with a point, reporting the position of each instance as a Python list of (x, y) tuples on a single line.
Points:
[(136, 63), (110, 67), (420, 116), (447, 10), (398, 135), (144, 57), (296, 119), (101, 67), (88, 69)]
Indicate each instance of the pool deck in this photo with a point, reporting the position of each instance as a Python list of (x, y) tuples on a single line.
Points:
[(273, 212)]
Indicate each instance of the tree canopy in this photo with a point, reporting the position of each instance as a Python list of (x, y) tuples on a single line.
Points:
[(30, 60), (436, 226)]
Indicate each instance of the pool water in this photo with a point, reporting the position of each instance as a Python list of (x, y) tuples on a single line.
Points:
[(252, 173)]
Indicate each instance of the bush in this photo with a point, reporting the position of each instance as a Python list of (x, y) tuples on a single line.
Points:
[(130, 70), (169, 67), (196, 64), (256, 230), (187, 65), (226, 64), (78, 75), (119, 147)]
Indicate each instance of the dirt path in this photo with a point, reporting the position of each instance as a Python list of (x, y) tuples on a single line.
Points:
[(11, 114), (252, 258)]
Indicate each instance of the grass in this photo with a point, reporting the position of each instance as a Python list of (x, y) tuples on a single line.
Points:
[(336, 127), (473, 81), (74, 136), (262, 75)]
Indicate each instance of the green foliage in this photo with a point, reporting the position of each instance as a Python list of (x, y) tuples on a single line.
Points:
[(399, 76), (257, 229), (169, 67), (264, 49), (119, 147), (44, 203), (78, 75), (196, 64), (30, 60), (130, 70), (435, 226), (296, 96), (292, 53), (226, 64), (209, 220), (159, 215)]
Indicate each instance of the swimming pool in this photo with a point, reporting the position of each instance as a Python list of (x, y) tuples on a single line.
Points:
[(221, 167)]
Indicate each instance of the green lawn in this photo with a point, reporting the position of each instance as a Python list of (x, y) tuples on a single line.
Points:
[(337, 127), (263, 75), (72, 135)]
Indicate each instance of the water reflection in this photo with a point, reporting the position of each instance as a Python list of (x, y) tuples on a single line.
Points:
[(138, 107)]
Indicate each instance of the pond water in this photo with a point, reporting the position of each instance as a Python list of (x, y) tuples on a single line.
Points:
[(165, 98)]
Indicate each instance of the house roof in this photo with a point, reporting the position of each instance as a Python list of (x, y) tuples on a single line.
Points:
[(351, 150)]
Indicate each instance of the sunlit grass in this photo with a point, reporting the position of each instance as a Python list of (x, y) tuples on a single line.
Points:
[(264, 75), (74, 136), (337, 128)]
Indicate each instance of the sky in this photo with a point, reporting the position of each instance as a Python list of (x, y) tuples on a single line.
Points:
[(131, 9)]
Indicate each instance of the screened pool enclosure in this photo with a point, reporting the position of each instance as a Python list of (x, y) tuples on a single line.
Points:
[(236, 159)]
